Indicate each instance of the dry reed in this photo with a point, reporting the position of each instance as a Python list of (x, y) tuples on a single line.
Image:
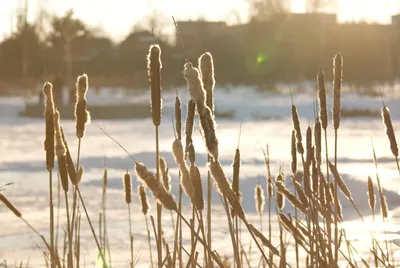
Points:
[(291, 198), (323, 112), (82, 115), (387, 120), (197, 186), (317, 141), (70, 163), (185, 181), (259, 198), (206, 67), (10, 206), (154, 72), (337, 86), (293, 153), (127, 182), (165, 175), (49, 115), (280, 200), (343, 187), (296, 127), (178, 117), (371, 194), (191, 108)]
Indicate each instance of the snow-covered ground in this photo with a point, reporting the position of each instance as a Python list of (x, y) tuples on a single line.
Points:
[(22, 163)]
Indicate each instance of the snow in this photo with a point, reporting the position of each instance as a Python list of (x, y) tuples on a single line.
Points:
[(266, 119)]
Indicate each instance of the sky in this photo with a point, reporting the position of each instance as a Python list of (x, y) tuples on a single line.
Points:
[(116, 18)]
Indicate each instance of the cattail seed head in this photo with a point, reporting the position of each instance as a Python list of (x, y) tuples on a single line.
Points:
[(156, 187), (280, 200), (191, 108), (70, 164), (291, 197), (315, 178), (371, 194), (165, 175), (224, 187), (79, 175), (293, 153), (384, 207), (302, 195), (309, 147), (105, 178), (387, 120), (185, 180), (236, 169), (337, 87), (154, 72), (10, 206), (194, 84), (264, 240), (323, 112), (191, 153), (62, 168), (60, 146), (206, 67), (341, 184), (178, 117), (49, 116), (289, 226), (259, 198), (198, 188), (317, 141), (296, 126), (143, 199), (82, 115), (128, 187)]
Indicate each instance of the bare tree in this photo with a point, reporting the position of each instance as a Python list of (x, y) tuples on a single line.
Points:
[(265, 9)]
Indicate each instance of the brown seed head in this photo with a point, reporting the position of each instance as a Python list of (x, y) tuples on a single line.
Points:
[(259, 198), (165, 175), (317, 141), (60, 146), (387, 120), (371, 194), (280, 200), (128, 187), (185, 180), (154, 72), (206, 67), (143, 199), (293, 153), (191, 153), (384, 207), (337, 87), (323, 112), (341, 184), (79, 175), (296, 126), (70, 163), (82, 115), (309, 147), (198, 188), (178, 117), (236, 169), (191, 108), (10, 206), (49, 116)]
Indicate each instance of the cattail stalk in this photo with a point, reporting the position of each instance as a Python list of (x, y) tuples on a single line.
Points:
[(127, 182), (185, 180), (154, 73), (49, 147), (387, 121), (145, 208), (260, 202), (296, 127), (293, 153)]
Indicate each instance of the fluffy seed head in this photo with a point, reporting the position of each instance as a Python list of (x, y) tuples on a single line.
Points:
[(317, 141), (194, 83), (143, 199), (236, 169), (62, 168), (208, 127), (293, 153), (70, 163), (178, 117), (156, 187), (264, 240), (280, 200), (309, 147), (191, 153), (82, 115), (301, 193), (384, 207), (49, 116), (341, 184), (105, 178), (206, 67), (79, 175), (154, 72), (198, 188), (323, 112), (185, 180), (10, 206), (259, 198), (337, 87), (371, 194), (224, 187), (291, 197), (296, 127), (387, 120), (191, 108), (165, 175), (60, 146), (128, 187)]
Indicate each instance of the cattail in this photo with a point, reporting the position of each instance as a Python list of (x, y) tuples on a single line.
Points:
[(296, 126), (198, 188), (49, 116), (191, 108), (321, 191), (387, 120), (128, 187), (236, 168), (105, 178), (293, 153), (191, 153), (264, 240), (10, 206), (82, 115), (143, 199), (165, 175), (196, 90), (339, 210), (259, 198), (156, 187), (315, 178), (317, 141), (291, 198), (60, 152), (323, 112), (371, 194), (206, 67), (70, 163), (340, 182), (154, 72), (287, 223), (301, 193), (337, 86), (384, 207), (185, 180), (307, 181), (224, 187), (280, 200), (178, 117), (79, 175), (309, 147)]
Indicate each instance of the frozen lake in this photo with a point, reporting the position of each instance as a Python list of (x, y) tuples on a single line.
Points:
[(266, 119)]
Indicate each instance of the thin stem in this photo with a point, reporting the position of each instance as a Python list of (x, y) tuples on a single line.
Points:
[(209, 212), (397, 162), (328, 219), (70, 253), (148, 238), (58, 211), (52, 250), (234, 245), (74, 203), (180, 227), (91, 227), (130, 233), (336, 206), (159, 207)]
